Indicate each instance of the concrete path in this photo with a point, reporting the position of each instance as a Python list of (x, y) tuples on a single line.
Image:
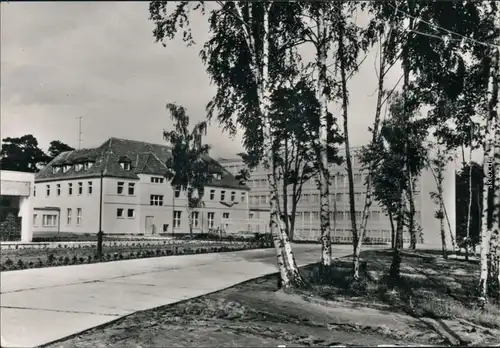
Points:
[(41, 305)]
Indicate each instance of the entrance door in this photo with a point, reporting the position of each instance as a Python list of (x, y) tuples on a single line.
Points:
[(149, 224)]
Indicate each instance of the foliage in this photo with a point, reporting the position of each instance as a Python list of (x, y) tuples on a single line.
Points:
[(57, 147), (188, 166), (22, 154)]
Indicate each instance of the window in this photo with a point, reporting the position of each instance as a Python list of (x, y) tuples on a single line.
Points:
[(263, 199), (131, 188), (177, 218), (195, 217), (347, 215), (357, 196), (78, 167), (70, 189), (211, 219), (315, 198), (358, 215), (338, 197), (119, 188), (217, 176), (212, 195), (130, 213), (126, 166), (120, 213), (89, 187), (35, 222), (49, 220), (375, 215), (87, 165), (177, 193), (243, 196), (47, 190), (340, 215), (315, 216), (55, 169), (357, 178), (78, 216), (156, 200), (69, 214), (34, 190), (340, 180), (251, 215), (66, 168), (225, 216), (80, 188), (156, 180), (233, 196), (333, 181), (222, 195), (165, 228), (307, 217), (306, 197), (58, 189)]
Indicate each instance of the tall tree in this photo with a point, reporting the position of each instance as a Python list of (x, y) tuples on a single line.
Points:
[(243, 37), (56, 147), (22, 154), (189, 170)]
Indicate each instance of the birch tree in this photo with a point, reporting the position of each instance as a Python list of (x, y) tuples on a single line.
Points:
[(189, 171), (237, 56)]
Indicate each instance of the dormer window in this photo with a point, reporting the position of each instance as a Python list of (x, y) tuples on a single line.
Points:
[(126, 166), (87, 165), (125, 163), (78, 167), (217, 176), (56, 169), (66, 168)]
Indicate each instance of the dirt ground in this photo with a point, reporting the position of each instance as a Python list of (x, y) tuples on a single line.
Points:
[(340, 313)]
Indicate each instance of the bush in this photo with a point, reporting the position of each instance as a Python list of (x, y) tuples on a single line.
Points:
[(20, 264), (66, 260), (74, 260), (31, 264), (39, 262), (51, 259), (89, 259), (81, 259)]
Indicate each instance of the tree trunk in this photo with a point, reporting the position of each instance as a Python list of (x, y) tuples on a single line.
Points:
[(490, 143), (395, 270), (393, 231), (413, 233), (469, 205), (345, 100), (321, 151), (286, 262), (441, 220)]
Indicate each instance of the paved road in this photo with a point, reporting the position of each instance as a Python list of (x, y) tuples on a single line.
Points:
[(42, 305)]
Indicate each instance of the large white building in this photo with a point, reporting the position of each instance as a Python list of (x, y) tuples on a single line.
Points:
[(307, 222), (136, 198)]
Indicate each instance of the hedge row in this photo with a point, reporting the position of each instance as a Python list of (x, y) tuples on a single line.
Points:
[(75, 259)]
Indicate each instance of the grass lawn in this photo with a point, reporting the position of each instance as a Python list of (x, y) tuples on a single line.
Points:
[(433, 292)]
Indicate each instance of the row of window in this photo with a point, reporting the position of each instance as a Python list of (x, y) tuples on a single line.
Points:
[(157, 200), (314, 198), (342, 215), (78, 167), (195, 216), (58, 189), (50, 220)]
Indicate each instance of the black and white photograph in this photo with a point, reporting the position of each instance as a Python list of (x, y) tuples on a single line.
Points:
[(250, 173)]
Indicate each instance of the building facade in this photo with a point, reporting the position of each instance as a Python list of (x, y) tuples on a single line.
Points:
[(16, 205), (307, 220), (136, 197)]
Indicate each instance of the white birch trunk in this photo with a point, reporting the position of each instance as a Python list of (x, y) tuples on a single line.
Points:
[(323, 177)]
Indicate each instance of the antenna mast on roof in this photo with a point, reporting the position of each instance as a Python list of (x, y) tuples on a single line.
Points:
[(79, 131)]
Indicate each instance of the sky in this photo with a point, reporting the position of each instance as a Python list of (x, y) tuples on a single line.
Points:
[(98, 60)]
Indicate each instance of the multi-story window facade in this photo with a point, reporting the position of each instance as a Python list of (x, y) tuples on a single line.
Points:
[(136, 197)]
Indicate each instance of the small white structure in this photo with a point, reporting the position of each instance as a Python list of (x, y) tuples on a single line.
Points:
[(17, 187)]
